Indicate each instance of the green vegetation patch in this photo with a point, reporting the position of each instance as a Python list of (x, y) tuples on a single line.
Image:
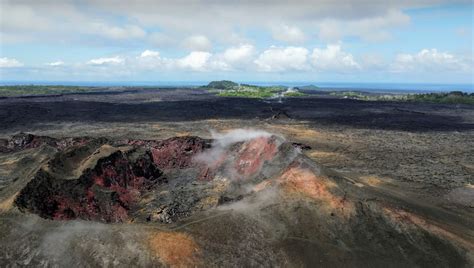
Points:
[(453, 97), (247, 94), (226, 88)]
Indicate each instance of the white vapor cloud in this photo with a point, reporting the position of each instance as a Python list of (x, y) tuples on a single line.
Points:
[(237, 135), (221, 143), (9, 63)]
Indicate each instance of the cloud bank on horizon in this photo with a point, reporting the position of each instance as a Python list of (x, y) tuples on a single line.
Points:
[(302, 40)]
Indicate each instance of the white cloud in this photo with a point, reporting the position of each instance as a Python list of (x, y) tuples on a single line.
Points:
[(332, 58), (16, 17), (150, 59), (160, 39), (106, 61), (65, 21), (377, 28), (276, 59), (231, 59), (197, 43), (116, 32), (9, 63), (56, 63), (150, 53), (196, 61), (431, 60), (288, 34), (371, 28), (221, 20), (239, 56)]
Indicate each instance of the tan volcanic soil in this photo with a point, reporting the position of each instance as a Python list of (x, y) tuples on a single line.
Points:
[(396, 172)]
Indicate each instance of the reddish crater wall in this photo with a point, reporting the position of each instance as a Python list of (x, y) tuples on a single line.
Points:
[(105, 193)]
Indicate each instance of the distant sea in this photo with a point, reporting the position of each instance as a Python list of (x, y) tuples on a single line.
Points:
[(369, 87)]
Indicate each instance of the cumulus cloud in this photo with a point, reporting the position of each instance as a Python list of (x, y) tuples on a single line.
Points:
[(238, 56), (288, 34), (65, 20), (56, 63), (21, 17), (116, 32), (195, 61), (150, 54), (197, 43), (430, 60), (160, 39), (148, 59), (373, 28), (232, 58), (9, 63), (220, 19), (278, 59), (106, 61), (333, 58)]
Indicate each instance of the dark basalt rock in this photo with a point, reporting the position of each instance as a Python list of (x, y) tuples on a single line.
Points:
[(22, 141), (301, 146)]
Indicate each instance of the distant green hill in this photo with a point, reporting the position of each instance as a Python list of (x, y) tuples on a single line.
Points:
[(227, 88), (223, 84)]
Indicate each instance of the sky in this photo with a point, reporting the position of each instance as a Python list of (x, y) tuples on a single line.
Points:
[(418, 41)]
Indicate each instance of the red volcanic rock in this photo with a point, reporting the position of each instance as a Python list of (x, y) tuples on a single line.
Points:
[(177, 152), (254, 153), (208, 170)]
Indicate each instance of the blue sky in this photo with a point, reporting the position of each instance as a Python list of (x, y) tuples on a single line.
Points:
[(344, 41)]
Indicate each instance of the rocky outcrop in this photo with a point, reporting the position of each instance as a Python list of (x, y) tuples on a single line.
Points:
[(22, 141)]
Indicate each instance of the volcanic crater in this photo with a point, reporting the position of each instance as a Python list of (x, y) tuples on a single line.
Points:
[(286, 205)]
